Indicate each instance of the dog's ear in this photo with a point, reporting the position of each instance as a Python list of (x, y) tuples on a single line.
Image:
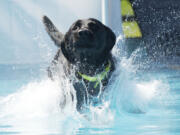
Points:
[(53, 32), (110, 39)]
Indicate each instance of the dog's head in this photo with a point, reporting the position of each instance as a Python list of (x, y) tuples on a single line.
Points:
[(87, 41)]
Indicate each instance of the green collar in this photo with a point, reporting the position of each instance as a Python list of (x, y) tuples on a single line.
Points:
[(97, 78)]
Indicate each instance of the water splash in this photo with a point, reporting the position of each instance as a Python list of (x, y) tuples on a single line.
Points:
[(39, 103)]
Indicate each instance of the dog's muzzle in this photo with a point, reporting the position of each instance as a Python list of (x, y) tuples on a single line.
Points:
[(85, 33)]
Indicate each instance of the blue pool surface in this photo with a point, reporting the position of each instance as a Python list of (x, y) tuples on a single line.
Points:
[(143, 102), (142, 98)]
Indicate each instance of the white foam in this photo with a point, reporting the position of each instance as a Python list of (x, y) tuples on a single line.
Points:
[(36, 107)]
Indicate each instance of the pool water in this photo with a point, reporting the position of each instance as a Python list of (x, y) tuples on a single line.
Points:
[(139, 101), (142, 98)]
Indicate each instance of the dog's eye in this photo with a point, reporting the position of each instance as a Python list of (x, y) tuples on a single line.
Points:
[(75, 28), (77, 25), (93, 26)]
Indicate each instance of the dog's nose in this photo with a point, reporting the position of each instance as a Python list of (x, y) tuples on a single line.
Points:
[(85, 33)]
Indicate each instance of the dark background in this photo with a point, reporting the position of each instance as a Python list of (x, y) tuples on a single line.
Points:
[(159, 21)]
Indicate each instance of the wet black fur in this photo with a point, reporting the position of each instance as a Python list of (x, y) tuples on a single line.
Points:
[(87, 46)]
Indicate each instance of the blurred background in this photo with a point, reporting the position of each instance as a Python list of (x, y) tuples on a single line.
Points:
[(23, 39)]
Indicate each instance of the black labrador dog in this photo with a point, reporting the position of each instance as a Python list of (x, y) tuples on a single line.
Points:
[(86, 50)]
